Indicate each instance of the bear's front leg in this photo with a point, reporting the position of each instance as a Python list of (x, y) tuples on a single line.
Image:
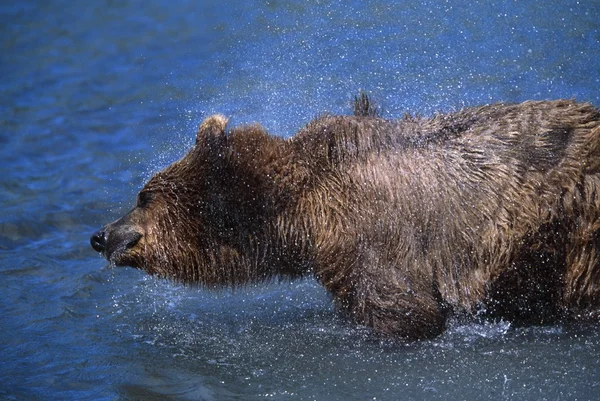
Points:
[(393, 311), (391, 303)]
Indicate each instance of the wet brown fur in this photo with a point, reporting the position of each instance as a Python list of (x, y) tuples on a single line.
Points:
[(494, 208)]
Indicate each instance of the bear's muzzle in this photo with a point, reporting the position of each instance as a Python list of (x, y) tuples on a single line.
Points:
[(114, 244)]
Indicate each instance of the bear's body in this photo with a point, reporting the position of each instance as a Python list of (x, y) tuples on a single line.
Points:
[(495, 208)]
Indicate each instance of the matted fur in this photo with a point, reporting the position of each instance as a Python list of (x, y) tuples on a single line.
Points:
[(492, 209)]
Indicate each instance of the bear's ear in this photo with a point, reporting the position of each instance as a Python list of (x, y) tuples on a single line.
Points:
[(211, 129)]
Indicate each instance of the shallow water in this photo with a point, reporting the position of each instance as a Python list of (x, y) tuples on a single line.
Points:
[(95, 97)]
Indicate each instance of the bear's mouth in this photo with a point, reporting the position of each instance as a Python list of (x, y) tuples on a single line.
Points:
[(119, 252), (116, 245)]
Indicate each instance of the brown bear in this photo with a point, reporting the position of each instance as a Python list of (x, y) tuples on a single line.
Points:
[(492, 210)]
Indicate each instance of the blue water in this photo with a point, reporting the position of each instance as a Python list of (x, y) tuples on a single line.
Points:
[(97, 96)]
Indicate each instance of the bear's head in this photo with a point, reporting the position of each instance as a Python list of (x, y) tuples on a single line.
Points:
[(197, 219)]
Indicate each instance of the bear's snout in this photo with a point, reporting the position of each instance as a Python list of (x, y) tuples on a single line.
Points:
[(115, 243), (98, 241)]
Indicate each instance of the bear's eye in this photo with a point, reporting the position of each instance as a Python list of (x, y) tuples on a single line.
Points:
[(144, 199)]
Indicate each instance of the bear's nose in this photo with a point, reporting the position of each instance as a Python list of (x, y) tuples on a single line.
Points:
[(98, 241)]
